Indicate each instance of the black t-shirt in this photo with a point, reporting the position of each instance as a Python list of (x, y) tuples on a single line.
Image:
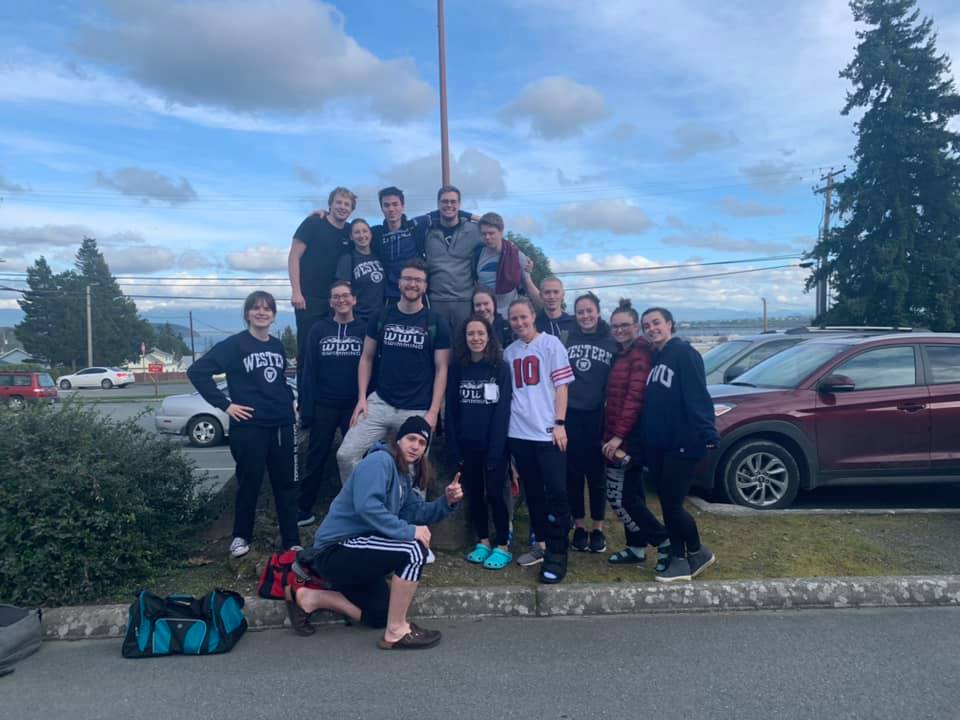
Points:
[(405, 368), (318, 264), (366, 276)]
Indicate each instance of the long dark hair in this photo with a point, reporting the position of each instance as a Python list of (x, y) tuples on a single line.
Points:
[(422, 474), (493, 353), (664, 313)]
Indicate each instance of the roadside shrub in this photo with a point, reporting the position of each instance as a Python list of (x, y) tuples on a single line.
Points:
[(87, 504)]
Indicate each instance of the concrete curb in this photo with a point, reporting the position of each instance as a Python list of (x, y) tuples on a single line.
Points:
[(740, 511), (109, 621)]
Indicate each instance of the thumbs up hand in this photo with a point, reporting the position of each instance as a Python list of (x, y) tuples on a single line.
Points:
[(454, 492)]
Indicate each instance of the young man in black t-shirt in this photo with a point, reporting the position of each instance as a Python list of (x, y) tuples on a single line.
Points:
[(317, 245), (412, 349)]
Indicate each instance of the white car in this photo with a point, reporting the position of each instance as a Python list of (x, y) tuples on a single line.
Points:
[(93, 377), (191, 415)]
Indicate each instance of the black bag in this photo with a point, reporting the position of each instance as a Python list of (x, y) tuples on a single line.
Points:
[(20, 635), (183, 624)]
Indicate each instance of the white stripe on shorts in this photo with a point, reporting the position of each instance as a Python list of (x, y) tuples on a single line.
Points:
[(412, 549)]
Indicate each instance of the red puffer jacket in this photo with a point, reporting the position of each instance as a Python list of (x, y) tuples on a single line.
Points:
[(626, 386)]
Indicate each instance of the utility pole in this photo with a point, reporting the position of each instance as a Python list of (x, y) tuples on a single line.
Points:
[(764, 301), (89, 331), (444, 143), (827, 190), (193, 350)]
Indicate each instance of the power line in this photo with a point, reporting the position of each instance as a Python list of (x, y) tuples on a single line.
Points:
[(613, 271), (680, 279)]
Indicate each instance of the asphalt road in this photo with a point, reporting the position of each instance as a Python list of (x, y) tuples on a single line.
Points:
[(837, 664), (131, 391)]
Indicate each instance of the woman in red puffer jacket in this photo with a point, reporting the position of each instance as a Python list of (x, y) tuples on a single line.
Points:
[(621, 445)]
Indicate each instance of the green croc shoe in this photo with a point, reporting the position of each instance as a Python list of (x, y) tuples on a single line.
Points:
[(498, 559), (479, 554)]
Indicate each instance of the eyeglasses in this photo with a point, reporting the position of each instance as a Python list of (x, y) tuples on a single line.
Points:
[(413, 280), (344, 296), (620, 327)]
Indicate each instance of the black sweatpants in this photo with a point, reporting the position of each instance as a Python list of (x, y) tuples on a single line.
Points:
[(257, 450), (483, 488), (673, 476), (543, 472), (626, 496), (326, 420), (358, 568), (584, 460)]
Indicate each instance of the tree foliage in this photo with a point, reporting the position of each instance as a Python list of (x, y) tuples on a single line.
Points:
[(289, 340), (54, 327), (541, 263), (165, 338), (895, 257)]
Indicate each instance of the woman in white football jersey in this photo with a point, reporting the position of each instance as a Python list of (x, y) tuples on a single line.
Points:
[(538, 440)]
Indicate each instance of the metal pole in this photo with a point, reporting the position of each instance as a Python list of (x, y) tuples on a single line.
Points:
[(89, 331), (444, 143), (193, 350), (764, 301)]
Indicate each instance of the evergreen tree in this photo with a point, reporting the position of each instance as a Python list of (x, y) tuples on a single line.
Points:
[(289, 340), (895, 258), (169, 340), (53, 327)]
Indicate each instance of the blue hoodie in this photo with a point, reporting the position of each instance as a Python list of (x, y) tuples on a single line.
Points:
[(378, 500)]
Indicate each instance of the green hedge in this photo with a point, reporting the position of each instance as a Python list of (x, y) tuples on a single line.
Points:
[(87, 504)]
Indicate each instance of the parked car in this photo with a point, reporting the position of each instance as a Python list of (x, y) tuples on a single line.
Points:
[(726, 361), (101, 377), (19, 387), (189, 414), (838, 411)]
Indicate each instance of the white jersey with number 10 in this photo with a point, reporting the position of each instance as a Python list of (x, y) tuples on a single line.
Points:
[(538, 369)]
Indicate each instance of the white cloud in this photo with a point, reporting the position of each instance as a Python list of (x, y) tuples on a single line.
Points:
[(773, 176), (716, 240), (478, 175), (747, 209), (253, 55), (616, 216), (259, 258), (694, 140), (148, 185), (139, 259), (10, 186), (524, 225), (557, 107)]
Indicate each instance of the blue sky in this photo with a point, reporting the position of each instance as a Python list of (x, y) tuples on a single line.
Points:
[(190, 138)]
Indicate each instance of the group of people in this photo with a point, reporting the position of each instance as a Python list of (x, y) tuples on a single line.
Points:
[(439, 316)]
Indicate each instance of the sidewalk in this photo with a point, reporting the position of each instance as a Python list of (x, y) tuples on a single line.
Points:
[(109, 621)]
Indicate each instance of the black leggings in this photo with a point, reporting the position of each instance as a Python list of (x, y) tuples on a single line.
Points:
[(482, 487), (625, 493), (542, 470), (584, 460), (673, 476), (255, 450), (327, 419)]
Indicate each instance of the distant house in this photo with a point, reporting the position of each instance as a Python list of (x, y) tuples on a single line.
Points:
[(15, 356), (159, 357)]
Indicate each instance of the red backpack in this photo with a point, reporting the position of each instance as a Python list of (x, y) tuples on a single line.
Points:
[(282, 569)]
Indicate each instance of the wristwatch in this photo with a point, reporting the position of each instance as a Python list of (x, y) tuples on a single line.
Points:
[(559, 423)]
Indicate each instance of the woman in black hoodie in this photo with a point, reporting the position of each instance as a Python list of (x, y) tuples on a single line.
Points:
[(478, 415), (590, 348), (678, 429)]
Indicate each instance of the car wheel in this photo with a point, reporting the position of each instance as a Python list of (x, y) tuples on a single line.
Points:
[(15, 402), (106, 384), (204, 431), (761, 474), (64, 384)]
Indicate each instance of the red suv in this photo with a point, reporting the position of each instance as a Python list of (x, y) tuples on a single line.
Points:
[(18, 387), (838, 411)]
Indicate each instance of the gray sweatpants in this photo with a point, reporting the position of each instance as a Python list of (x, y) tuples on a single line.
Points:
[(381, 420)]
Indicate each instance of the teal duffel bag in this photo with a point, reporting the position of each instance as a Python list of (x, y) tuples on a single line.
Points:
[(183, 624)]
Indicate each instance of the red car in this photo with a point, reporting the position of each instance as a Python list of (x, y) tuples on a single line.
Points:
[(18, 387), (838, 411)]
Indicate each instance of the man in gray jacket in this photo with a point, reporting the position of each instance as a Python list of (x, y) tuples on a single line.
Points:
[(450, 248)]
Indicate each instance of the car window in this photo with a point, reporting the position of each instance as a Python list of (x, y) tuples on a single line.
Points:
[(6, 380), (90, 371), (944, 363), (22, 381), (716, 356), (45, 380), (791, 367), (762, 352), (881, 368)]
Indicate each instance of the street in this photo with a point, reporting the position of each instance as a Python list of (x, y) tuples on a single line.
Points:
[(883, 663)]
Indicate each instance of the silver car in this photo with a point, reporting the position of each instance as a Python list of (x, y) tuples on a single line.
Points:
[(189, 414)]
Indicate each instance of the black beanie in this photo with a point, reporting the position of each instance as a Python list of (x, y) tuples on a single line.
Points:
[(415, 425)]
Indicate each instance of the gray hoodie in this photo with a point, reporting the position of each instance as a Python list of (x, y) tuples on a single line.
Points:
[(452, 265), (378, 500)]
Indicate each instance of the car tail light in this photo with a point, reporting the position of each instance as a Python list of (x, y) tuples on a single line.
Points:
[(121, 374)]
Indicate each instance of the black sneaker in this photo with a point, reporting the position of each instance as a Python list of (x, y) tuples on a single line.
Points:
[(663, 556), (677, 571), (598, 541), (700, 560), (579, 542), (305, 518)]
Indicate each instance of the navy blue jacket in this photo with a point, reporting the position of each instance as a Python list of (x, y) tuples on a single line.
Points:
[(330, 361), (678, 411)]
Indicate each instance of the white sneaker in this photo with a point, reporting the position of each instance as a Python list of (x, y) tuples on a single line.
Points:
[(239, 547)]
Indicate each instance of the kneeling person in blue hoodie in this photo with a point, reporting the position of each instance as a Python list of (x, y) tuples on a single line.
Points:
[(377, 525)]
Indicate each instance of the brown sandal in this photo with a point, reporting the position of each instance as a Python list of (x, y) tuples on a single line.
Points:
[(299, 618), (417, 639)]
